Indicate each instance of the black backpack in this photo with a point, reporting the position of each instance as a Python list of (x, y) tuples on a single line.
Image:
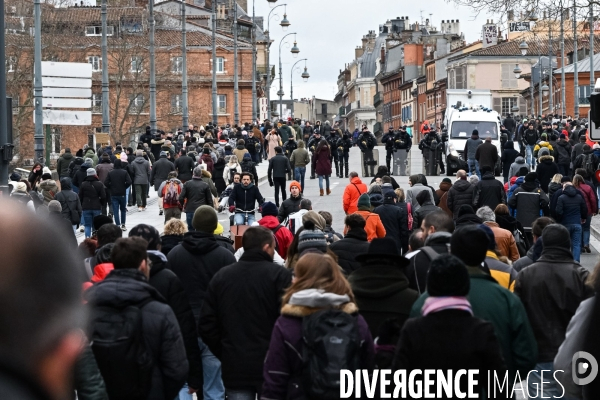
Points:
[(120, 351), (588, 164), (331, 343)]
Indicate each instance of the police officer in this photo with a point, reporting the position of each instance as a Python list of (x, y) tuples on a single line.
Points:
[(432, 142), (342, 148), (288, 148), (366, 143), (388, 139), (312, 146)]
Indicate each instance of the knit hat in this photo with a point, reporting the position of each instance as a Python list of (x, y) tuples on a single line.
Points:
[(100, 220), (105, 156), (91, 172), (562, 136), (247, 156), (163, 154), (311, 239), (46, 170), (20, 187), (464, 209), (544, 136), (470, 244), (475, 132), (316, 218), (205, 219), (54, 206), (269, 208), (447, 180), (543, 152), (531, 177), (15, 177), (490, 234), (556, 235), (219, 230), (295, 183), (147, 232), (124, 158), (448, 276), (139, 153), (364, 202), (88, 162)]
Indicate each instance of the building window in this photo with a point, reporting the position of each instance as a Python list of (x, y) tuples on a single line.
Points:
[(324, 108), (15, 104), (97, 30), (176, 104), (11, 63), (509, 81), (460, 77), (137, 103), (507, 104), (136, 64), (220, 65), (96, 62), (177, 65), (583, 94), (96, 103), (222, 103)]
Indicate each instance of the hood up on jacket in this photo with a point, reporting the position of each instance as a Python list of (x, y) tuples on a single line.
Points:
[(520, 160), (546, 159), (269, 222), (462, 185), (378, 280), (510, 145), (199, 242), (308, 301)]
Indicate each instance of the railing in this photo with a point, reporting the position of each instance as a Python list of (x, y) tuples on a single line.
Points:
[(348, 108), (261, 72), (377, 99), (584, 100), (342, 111)]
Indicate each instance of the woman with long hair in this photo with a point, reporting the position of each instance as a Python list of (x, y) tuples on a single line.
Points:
[(272, 140), (231, 168), (592, 208), (318, 285), (322, 162)]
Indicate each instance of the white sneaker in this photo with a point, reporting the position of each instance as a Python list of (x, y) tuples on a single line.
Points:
[(123, 228), (82, 228), (140, 209)]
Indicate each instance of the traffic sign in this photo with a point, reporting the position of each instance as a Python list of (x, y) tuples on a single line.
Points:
[(66, 103), (66, 92), (66, 82), (66, 69), (64, 117)]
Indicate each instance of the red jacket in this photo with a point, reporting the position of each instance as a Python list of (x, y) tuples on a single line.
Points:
[(351, 195), (283, 236), (590, 199), (323, 162), (101, 271)]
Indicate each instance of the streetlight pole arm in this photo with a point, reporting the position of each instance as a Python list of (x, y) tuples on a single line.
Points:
[(294, 66), (281, 42), (269, 16)]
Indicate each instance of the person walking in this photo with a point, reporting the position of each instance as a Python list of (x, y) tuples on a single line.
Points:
[(169, 191), (354, 242), (63, 162), (118, 182), (509, 156), (461, 193), (184, 165), (592, 208), (194, 194), (470, 150), (141, 169), (291, 204), (300, 159), (93, 199), (279, 167), (288, 149), (530, 138), (487, 155), (489, 191), (374, 227), (160, 172), (394, 221), (573, 212), (231, 168), (322, 161), (272, 140), (69, 201)]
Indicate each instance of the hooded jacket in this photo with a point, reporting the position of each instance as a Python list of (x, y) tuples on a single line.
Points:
[(590, 199), (419, 263), (283, 236), (62, 164), (528, 208), (516, 166), (571, 206), (489, 192), (155, 147), (69, 200), (426, 208), (563, 152), (471, 146), (546, 169), (412, 193), (118, 180), (279, 167), (141, 169), (92, 194), (395, 222), (283, 364), (247, 293), (487, 155), (355, 242), (197, 193), (351, 194), (462, 192), (184, 166), (289, 206), (160, 171), (91, 154), (103, 168), (195, 261), (374, 227), (160, 328), (48, 190), (509, 156), (246, 197)]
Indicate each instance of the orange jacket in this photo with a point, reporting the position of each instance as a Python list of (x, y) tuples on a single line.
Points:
[(374, 227), (423, 129), (351, 195)]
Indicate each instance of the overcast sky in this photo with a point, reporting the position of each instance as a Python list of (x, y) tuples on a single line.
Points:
[(329, 30)]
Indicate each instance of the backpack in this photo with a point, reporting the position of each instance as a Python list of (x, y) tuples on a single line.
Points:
[(247, 167), (588, 164), (120, 351), (331, 342), (171, 194), (232, 172), (522, 242)]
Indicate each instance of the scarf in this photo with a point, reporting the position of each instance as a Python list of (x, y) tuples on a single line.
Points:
[(435, 304)]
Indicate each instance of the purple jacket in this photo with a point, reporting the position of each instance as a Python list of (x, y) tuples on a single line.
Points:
[(282, 370)]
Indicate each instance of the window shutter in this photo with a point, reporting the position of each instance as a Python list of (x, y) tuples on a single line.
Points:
[(497, 104)]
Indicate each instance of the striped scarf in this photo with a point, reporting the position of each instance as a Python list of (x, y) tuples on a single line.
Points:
[(435, 304)]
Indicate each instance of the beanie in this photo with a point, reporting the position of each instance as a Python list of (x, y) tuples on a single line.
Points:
[(544, 152), (490, 235), (316, 218), (247, 156), (475, 132), (269, 208), (91, 172), (147, 232), (531, 177), (54, 206), (464, 209), (88, 162), (163, 154), (469, 243), (295, 183), (556, 235), (15, 177), (311, 239), (448, 276), (105, 156), (205, 219), (139, 153), (364, 202)]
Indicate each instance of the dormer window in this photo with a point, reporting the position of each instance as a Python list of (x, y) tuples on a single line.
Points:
[(97, 30)]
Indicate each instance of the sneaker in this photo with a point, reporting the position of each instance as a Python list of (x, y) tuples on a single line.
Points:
[(140, 209), (143, 208), (82, 228), (123, 228), (586, 249), (160, 212)]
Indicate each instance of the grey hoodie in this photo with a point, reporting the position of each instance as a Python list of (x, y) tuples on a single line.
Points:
[(516, 166), (317, 298)]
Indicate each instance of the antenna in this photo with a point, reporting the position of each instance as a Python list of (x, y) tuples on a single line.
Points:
[(421, 12)]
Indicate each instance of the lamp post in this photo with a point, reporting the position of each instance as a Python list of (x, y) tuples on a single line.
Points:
[(236, 110), (305, 77), (284, 27), (38, 136), (214, 63), (295, 50), (152, 70), (184, 83), (575, 61), (105, 109), (591, 48), (550, 72), (3, 112), (254, 96), (562, 57)]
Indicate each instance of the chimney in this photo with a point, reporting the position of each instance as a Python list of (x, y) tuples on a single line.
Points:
[(358, 52), (382, 55)]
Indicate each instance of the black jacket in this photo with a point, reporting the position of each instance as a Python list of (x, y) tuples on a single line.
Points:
[(381, 291), (117, 181), (80, 175), (92, 194), (461, 192), (551, 290), (420, 214), (395, 222), (247, 293), (197, 192), (69, 200), (354, 243), (487, 155), (419, 263), (571, 206), (245, 197), (169, 242), (169, 286), (160, 171), (562, 151), (489, 192), (160, 328), (248, 166), (87, 379), (509, 155), (529, 208), (546, 169), (279, 167), (394, 183), (289, 206), (185, 167), (195, 261)]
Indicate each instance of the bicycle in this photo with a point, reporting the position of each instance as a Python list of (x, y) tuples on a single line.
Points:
[(246, 213)]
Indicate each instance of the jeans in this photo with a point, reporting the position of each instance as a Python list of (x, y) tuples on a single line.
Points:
[(213, 385), (240, 394), (530, 159), (549, 389), (183, 393), (586, 230), (279, 185), (119, 203), (299, 174), (141, 191), (321, 181), (189, 216), (255, 157), (88, 220), (109, 204), (239, 218), (575, 231), (473, 164)]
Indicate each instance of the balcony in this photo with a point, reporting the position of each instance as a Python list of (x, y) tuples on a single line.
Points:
[(342, 112), (377, 99), (348, 109), (584, 100), (261, 72)]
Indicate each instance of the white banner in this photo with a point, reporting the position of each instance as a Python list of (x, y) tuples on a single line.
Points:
[(60, 117)]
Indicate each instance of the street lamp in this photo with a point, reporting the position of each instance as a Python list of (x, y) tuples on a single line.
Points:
[(305, 77), (524, 47), (545, 90), (272, 3), (517, 71), (285, 23), (295, 50), (284, 26)]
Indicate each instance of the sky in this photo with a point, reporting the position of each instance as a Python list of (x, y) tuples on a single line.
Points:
[(328, 31)]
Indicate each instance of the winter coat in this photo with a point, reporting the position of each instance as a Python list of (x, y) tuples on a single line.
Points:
[(497, 305), (160, 328), (62, 164), (184, 166), (272, 140), (141, 169), (381, 291), (155, 147), (516, 166), (425, 209), (279, 167), (247, 293), (395, 222), (285, 132), (552, 188), (354, 243), (160, 172), (246, 197), (374, 227), (91, 154), (571, 206), (529, 208), (416, 271), (442, 194), (169, 242), (87, 379), (381, 175), (249, 166), (351, 194), (322, 162), (289, 206), (283, 365), (563, 152), (487, 155), (461, 192), (530, 137), (546, 169), (69, 200), (48, 189), (195, 193), (229, 168), (543, 144), (118, 181), (412, 193), (195, 261), (505, 241), (509, 156), (590, 200), (489, 192), (92, 194), (283, 236), (471, 147), (562, 281), (169, 286), (300, 158), (103, 169)]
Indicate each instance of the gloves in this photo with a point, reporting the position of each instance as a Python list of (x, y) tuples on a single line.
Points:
[(270, 183), (231, 209), (260, 209)]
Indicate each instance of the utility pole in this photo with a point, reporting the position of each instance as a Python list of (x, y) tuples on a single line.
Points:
[(562, 62), (214, 62), (592, 80), (254, 99), (550, 72), (575, 60), (105, 109), (268, 72), (184, 83), (38, 136), (152, 70), (236, 110), (4, 113)]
